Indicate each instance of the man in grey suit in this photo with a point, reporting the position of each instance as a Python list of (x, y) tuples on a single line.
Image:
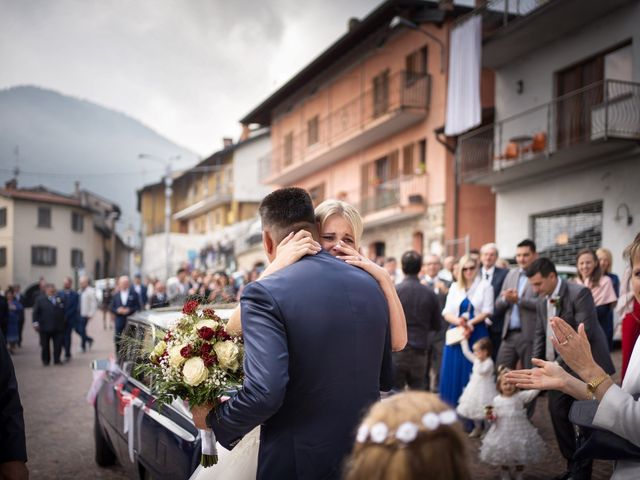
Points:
[(517, 302), (574, 304)]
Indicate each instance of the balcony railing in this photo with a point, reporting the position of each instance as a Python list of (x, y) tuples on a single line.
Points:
[(608, 109), (500, 13), (405, 191), (403, 90)]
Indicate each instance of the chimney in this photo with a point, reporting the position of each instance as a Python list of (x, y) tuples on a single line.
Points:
[(353, 23), (11, 184), (77, 188), (246, 133), (227, 142)]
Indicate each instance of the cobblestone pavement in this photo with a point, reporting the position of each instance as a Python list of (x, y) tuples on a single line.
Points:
[(58, 419), (555, 463)]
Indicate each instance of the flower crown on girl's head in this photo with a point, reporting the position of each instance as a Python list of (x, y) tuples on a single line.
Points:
[(406, 432)]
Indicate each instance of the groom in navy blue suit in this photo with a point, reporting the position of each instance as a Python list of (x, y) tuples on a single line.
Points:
[(315, 335)]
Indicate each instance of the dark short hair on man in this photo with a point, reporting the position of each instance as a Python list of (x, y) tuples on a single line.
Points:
[(543, 266), (528, 243), (287, 210), (411, 262)]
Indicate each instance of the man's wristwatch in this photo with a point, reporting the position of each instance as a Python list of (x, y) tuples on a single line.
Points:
[(594, 384)]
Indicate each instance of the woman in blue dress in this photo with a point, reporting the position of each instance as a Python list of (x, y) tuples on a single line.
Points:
[(469, 303), (13, 327)]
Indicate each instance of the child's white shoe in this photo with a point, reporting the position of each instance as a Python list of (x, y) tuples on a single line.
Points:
[(505, 474)]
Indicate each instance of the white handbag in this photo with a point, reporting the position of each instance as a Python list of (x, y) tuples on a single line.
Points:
[(455, 335)]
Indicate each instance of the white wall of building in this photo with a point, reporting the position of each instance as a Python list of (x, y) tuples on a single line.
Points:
[(60, 236), (613, 183), (536, 69), (247, 186), (154, 252)]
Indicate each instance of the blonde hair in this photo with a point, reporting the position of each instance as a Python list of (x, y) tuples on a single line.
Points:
[(346, 210), (605, 252), (462, 283), (435, 455), (632, 251)]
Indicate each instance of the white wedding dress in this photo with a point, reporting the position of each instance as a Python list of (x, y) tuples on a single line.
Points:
[(241, 463)]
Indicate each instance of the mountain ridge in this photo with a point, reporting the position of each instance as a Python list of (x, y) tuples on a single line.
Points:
[(63, 139)]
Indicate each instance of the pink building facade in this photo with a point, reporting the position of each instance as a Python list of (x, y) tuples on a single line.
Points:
[(359, 124)]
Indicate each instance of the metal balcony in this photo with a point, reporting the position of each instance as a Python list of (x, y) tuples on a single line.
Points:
[(399, 101), (394, 200), (512, 28), (588, 125)]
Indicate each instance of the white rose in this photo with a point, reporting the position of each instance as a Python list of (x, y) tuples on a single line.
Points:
[(212, 324), (159, 349), (194, 371), (228, 355), (175, 359)]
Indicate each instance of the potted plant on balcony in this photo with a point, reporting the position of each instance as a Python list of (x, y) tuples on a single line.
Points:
[(375, 181), (421, 169)]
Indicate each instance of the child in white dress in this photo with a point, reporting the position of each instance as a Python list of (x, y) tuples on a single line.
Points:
[(512, 441), (481, 389)]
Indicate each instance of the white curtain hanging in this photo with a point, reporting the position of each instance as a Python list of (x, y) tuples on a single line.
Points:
[(463, 91)]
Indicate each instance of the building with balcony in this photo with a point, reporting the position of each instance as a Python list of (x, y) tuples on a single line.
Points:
[(359, 124), (50, 235), (212, 206), (562, 154)]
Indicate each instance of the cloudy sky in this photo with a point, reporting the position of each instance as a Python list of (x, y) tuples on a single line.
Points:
[(190, 69)]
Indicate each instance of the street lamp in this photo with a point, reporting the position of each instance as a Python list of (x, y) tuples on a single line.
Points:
[(397, 20), (168, 192)]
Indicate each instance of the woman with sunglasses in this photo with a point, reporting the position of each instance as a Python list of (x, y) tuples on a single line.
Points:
[(469, 304)]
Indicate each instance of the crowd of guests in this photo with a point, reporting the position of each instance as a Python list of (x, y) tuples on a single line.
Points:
[(493, 320)]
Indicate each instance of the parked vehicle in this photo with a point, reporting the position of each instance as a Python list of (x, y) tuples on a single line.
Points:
[(159, 442)]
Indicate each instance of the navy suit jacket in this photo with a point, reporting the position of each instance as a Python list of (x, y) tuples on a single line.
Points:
[(133, 302), (315, 338), (71, 301)]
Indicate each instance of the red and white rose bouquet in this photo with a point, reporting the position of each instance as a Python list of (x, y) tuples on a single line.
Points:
[(198, 362)]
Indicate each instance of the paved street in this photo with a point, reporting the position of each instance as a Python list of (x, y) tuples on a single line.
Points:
[(59, 421)]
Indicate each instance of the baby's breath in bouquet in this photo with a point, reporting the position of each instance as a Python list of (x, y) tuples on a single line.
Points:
[(197, 361)]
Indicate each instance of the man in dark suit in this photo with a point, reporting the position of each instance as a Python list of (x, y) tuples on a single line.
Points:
[(13, 448), (517, 303), (72, 319), (440, 287), (423, 314), (141, 290), (315, 335), (159, 298), (574, 304), (495, 276), (19, 297), (48, 320), (123, 303)]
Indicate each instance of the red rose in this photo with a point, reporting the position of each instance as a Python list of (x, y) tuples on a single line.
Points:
[(210, 360), (206, 333), (190, 307), (205, 349), (209, 313), (186, 351)]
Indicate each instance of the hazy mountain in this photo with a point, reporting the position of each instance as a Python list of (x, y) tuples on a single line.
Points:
[(62, 139)]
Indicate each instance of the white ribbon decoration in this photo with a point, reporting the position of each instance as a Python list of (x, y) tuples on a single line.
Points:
[(129, 417), (208, 442)]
